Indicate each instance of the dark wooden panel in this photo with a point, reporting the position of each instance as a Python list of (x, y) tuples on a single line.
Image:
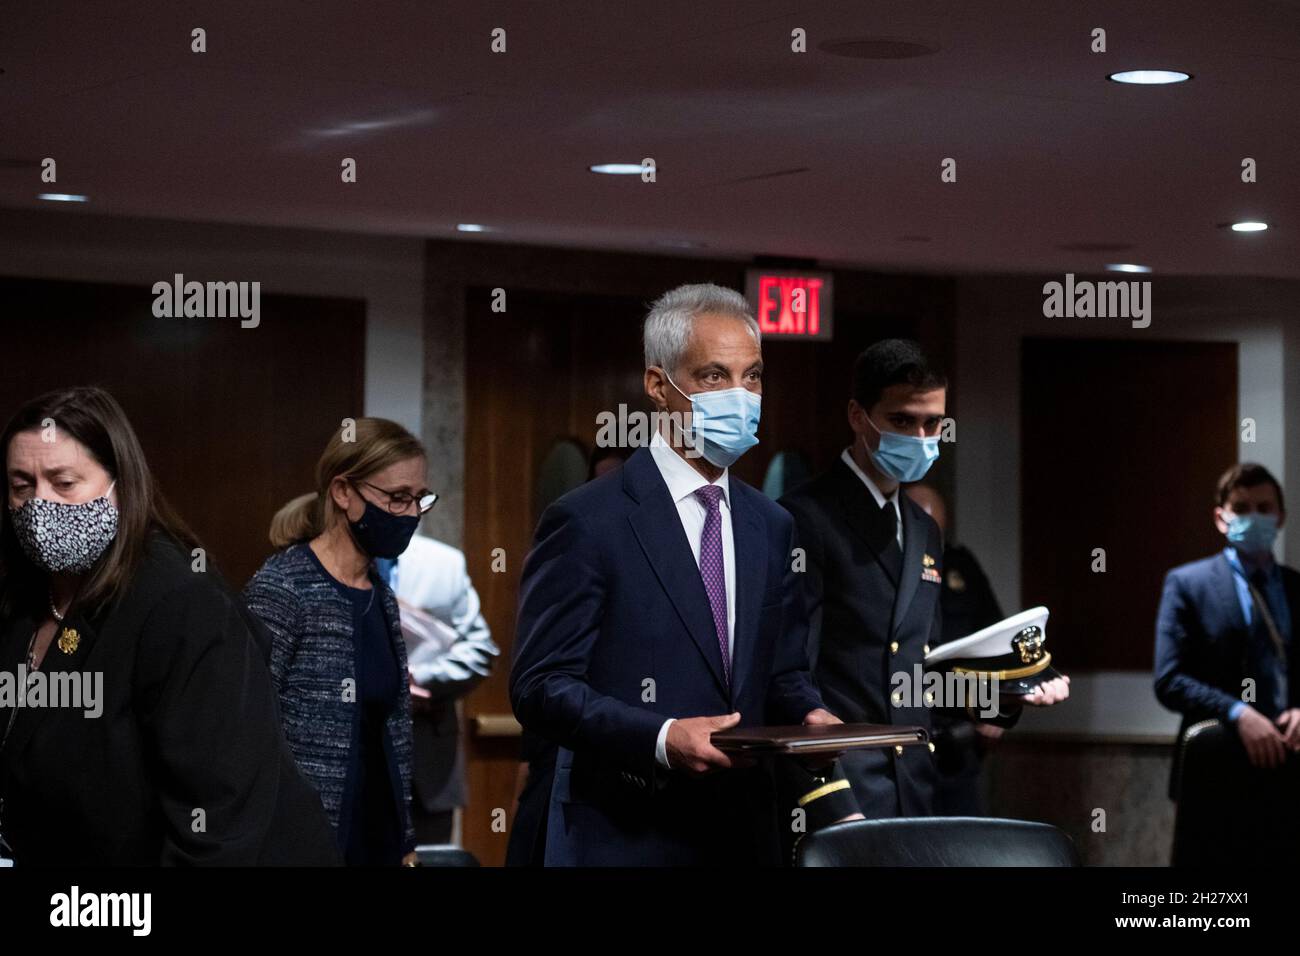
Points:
[(232, 420), (1121, 445)]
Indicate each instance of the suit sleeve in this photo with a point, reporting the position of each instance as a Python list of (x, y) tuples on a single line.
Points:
[(791, 692), (468, 661), (1175, 687), (207, 711), (562, 600)]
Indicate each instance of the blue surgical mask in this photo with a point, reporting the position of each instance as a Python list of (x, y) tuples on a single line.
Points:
[(724, 424), (1252, 533), (903, 457)]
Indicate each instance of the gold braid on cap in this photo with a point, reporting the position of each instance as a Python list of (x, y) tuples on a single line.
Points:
[(1013, 674)]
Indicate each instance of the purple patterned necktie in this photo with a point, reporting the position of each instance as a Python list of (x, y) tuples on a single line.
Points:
[(711, 570)]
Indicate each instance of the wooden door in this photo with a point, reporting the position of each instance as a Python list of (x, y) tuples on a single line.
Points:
[(1121, 445)]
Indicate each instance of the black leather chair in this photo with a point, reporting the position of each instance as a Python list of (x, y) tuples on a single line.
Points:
[(937, 841), (444, 854), (1231, 814)]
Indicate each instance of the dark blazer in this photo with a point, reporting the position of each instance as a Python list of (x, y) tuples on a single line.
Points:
[(858, 612), (615, 635), (312, 655), (188, 724), (1202, 644)]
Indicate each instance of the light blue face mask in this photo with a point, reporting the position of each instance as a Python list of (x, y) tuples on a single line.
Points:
[(724, 424), (903, 457), (1252, 533)]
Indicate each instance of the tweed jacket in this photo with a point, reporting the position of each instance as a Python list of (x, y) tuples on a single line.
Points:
[(313, 665)]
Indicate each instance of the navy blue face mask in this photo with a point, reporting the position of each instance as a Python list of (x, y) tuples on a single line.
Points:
[(381, 534)]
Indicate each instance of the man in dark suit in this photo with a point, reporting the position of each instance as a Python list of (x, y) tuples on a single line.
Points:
[(1224, 645), (873, 574), (658, 605)]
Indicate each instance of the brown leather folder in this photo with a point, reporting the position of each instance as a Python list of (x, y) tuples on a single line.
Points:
[(820, 738)]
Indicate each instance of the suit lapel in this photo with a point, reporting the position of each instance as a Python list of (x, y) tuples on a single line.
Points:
[(859, 511), (751, 580), (1226, 585), (658, 529), (913, 548)]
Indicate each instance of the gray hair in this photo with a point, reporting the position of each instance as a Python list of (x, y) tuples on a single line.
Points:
[(669, 322)]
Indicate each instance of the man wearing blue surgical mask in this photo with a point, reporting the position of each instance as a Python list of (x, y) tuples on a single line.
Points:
[(659, 606), (1224, 633), (874, 571)]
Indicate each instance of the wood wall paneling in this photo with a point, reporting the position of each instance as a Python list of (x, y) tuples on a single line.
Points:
[(1122, 443)]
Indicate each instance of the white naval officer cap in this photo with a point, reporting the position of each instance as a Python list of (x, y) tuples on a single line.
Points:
[(1012, 651)]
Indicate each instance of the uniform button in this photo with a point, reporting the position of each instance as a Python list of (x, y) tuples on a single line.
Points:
[(925, 649), (931, 746), (893, 647), (898, 749)]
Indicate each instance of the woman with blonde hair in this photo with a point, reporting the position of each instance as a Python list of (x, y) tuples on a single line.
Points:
[(337, 655)]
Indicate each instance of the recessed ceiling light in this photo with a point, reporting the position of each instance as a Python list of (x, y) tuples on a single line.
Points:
[(470, 227), (1249, 226), (1150, 77), (617, 169), (1127, 267), (62, 197)]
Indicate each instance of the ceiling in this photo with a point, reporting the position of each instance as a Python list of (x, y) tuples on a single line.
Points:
[(759, 151)]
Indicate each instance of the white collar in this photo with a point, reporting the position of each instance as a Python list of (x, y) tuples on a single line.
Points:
[(680, 477), (871, 485)]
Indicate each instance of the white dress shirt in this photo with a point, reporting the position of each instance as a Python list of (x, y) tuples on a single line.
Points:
[(875, 493), (682, 481)]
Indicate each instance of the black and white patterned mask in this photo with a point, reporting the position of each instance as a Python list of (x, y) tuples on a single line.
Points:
[(65, 539)]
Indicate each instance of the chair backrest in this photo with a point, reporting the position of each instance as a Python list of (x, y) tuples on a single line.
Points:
[(937, 841), (444, 854), (1230, 813)]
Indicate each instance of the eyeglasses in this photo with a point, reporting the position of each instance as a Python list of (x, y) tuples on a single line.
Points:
[(399, 502)]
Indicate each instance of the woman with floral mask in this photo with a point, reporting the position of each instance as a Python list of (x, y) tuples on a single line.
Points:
[(338, 657), (137, 714)]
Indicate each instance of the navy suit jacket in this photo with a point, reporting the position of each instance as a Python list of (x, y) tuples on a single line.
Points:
[(1201, 643), (615, 635)]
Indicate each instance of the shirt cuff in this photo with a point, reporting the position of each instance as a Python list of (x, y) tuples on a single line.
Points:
[(661, 745), (1235, 710)]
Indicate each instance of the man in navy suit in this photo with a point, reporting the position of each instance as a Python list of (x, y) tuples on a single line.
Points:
[(658, 605), (1224, 644)]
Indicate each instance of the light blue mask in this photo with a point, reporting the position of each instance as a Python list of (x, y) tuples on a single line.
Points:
[(903, 457), (724, 424), (1252, 533)]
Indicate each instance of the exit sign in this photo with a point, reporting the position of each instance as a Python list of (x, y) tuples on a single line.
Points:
[(790, 305)]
